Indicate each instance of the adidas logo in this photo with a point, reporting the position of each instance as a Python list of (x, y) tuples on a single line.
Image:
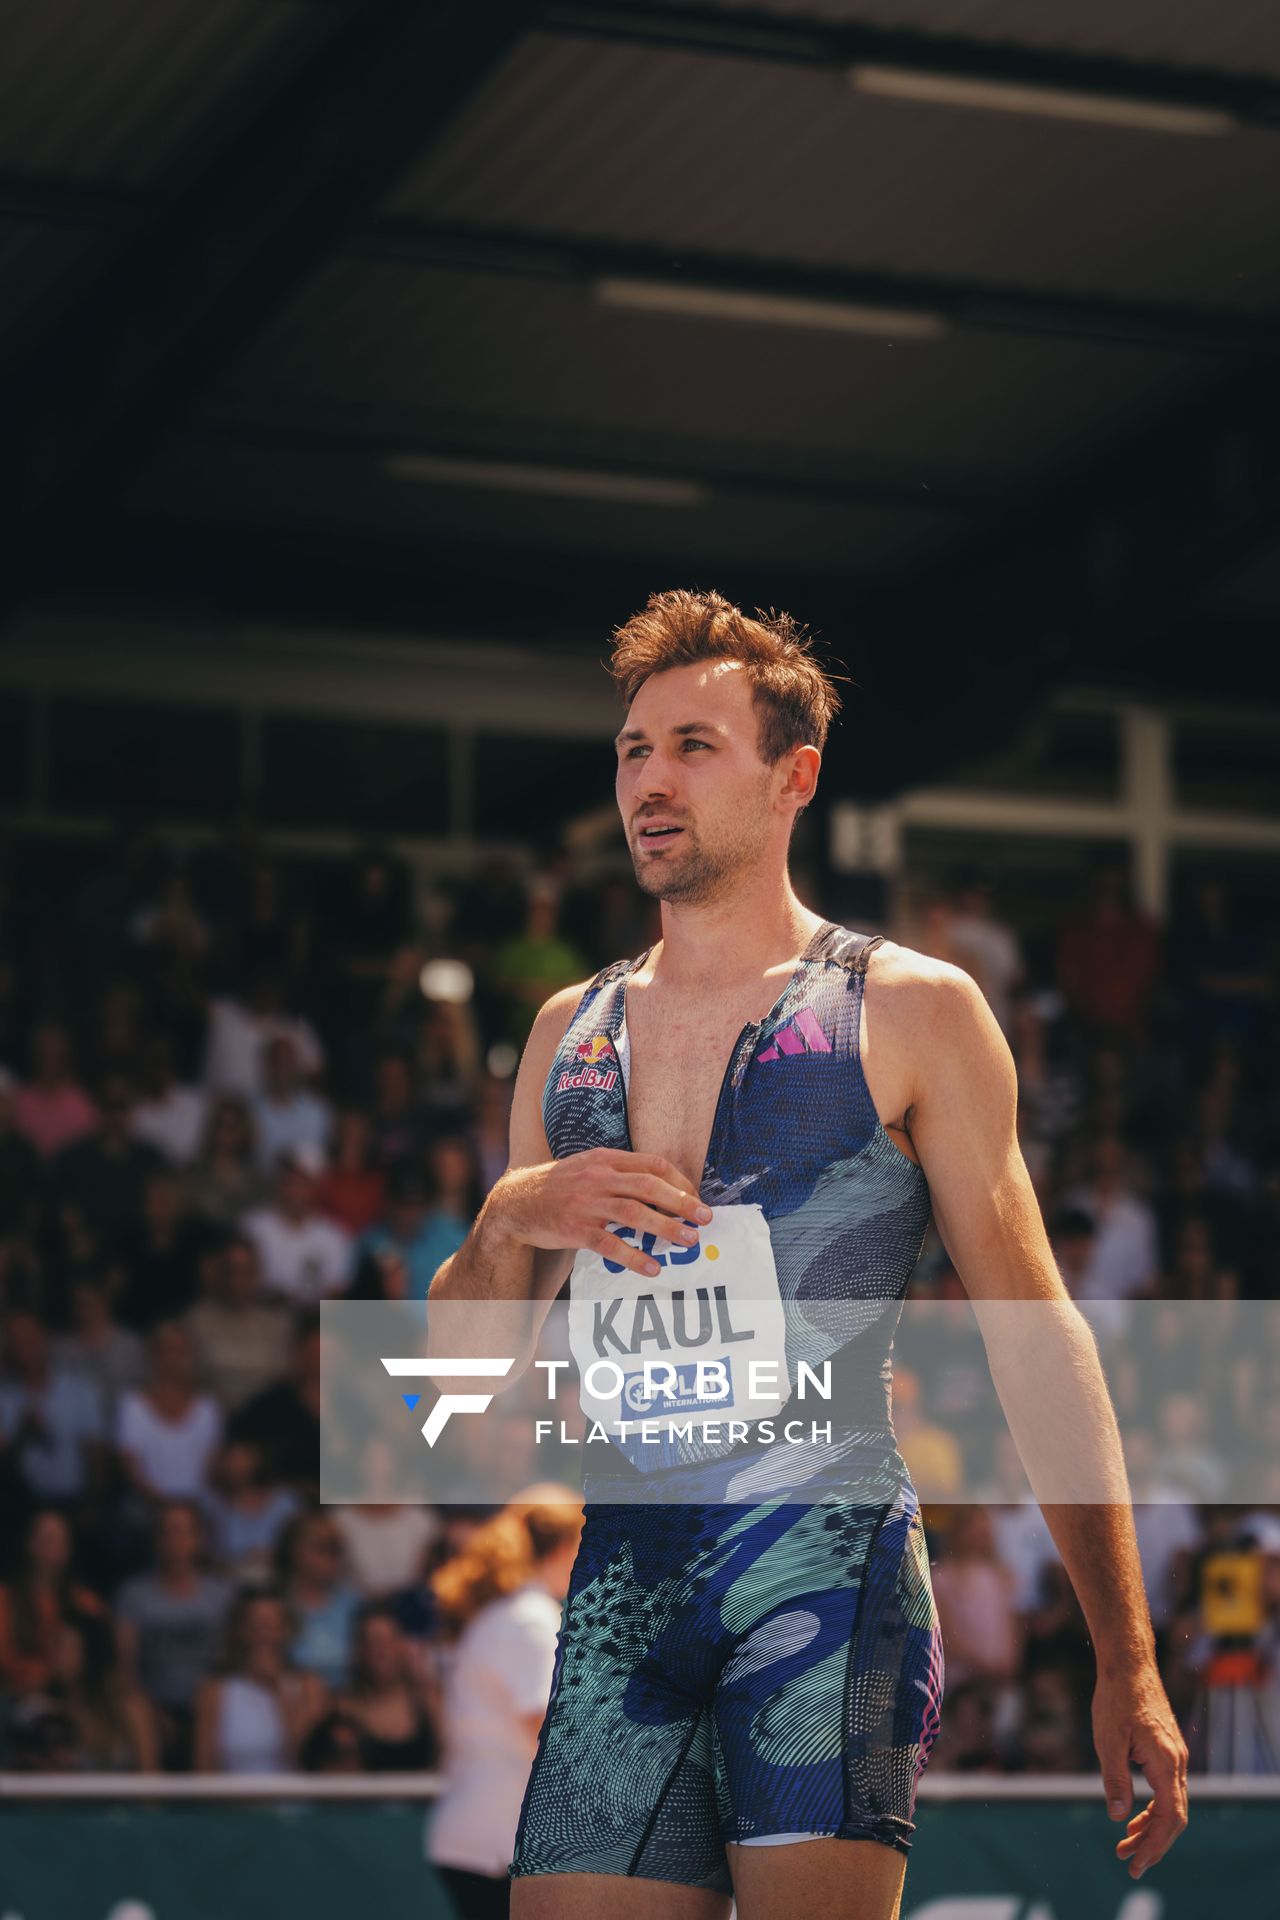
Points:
[(801, 1035)]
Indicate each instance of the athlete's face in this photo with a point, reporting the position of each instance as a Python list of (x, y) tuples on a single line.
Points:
[(699, 805)]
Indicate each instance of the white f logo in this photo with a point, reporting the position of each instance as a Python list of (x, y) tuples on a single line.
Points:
[(449, 1403)]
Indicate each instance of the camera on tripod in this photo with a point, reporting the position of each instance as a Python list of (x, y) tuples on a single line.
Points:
[(1233, 1734), (1232, 1600)]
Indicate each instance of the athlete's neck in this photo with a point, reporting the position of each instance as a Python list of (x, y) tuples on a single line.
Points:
[(737, 939)]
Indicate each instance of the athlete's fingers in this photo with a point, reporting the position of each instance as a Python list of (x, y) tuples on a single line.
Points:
[(631, 1214), (661, 1194), (1117, 1780), (1164, 1818), (1152, 1833), (609, 1247), (1135, 1832)]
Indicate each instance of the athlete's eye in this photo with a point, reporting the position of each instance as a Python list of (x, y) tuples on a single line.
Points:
[(641, 749)]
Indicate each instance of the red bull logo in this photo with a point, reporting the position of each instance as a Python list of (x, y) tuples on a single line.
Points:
[(592, 1073)]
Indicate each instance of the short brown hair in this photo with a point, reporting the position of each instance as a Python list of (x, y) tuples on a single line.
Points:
[(792, 691)]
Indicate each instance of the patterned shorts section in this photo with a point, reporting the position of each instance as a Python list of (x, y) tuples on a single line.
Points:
[(731, 1673)]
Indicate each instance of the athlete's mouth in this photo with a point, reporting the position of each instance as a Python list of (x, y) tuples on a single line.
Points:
[(659, 832)]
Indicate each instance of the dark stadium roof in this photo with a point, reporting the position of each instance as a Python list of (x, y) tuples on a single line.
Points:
[(952, 325)]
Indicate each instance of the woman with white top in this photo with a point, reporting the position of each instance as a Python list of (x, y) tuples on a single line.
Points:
[(167, 1431), (502, 1597), (254, 1716)]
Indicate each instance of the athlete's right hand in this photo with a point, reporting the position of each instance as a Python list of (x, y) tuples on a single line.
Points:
[(574, 1201)]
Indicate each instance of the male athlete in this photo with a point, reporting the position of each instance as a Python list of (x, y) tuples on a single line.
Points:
[(746, 1693)]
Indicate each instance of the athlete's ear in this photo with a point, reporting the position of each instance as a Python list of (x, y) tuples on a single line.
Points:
[(801, 767)]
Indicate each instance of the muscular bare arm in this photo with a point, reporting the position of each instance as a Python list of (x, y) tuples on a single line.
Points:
[(961, 1098)]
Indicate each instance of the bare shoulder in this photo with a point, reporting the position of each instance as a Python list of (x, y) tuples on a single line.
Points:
[(919, 994), (552, 1023), (929, 1025)]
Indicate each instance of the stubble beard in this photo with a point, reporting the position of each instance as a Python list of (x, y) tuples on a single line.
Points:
[(696, 877), (701, 874)]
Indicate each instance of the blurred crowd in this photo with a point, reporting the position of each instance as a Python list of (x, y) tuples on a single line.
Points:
[(1149, 1118), (232, 1086)]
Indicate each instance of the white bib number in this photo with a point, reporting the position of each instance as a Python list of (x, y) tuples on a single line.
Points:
[(702, 1342)]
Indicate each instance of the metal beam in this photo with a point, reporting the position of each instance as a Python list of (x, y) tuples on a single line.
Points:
[(943, 658), (964, 304), (737, 470), (318, 574), (970, 305), (924, 694), (263, 670), (87, 400), (1250, 99)]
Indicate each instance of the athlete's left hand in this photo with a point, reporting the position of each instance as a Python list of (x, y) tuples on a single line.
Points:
[(1133, 1723)]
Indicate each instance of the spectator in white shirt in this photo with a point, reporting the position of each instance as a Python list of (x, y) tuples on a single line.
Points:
[(167, 1431), (238, 1031), (287, 1113), (385, 1544), (254, 1714), (304, 1256), (503, 1596), (385, 1538), (166, 1115)]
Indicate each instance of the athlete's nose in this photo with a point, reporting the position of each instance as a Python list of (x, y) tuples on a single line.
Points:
[(657, 782)]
